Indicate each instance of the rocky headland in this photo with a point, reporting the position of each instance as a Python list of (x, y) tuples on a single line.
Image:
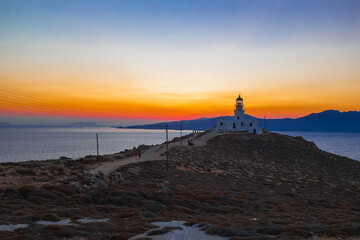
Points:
[(239, 186)]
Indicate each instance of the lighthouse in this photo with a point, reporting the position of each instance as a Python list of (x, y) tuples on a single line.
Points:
[(240, 122), (239, 108)]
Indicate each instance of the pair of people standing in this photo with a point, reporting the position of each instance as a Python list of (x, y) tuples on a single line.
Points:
[(136, 154)]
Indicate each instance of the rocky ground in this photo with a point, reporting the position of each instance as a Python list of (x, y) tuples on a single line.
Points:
[(240, 186)]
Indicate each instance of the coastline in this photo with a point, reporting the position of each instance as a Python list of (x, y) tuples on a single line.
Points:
[(75, 143), (240, 186)]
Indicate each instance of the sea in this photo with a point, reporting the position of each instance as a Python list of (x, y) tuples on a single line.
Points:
[(343, 144), (25, 144)]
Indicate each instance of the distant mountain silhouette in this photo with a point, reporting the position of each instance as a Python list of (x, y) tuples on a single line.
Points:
[(326, 121), (5, 124), (71, 125), (85, 124)]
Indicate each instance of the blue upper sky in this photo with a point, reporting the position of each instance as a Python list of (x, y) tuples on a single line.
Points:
[(262, 21)]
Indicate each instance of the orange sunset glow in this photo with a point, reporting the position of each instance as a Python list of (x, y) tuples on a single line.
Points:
[(163, 68)]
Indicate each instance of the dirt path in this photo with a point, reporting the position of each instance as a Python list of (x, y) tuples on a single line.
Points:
[(148, 155), (153, 153)]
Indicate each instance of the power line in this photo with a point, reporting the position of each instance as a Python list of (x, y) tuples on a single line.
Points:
[(51, 103), (62, 113), (10, 97)]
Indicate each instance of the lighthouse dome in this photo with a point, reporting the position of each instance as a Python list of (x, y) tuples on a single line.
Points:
[(239, 98)]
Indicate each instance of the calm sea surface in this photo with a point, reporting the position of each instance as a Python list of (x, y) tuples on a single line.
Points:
[(23, 144), (343, 144)]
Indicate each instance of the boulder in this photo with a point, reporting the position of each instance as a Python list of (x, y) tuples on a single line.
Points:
[(116, 178), (134, 171)]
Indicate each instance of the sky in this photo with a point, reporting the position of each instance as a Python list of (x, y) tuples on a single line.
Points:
[(129, 62)]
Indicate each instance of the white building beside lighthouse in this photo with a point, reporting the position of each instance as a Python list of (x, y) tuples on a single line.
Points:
[(238, 123)]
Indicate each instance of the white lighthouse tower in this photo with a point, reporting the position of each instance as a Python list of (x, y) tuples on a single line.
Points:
[(239, 109), (239, 122)]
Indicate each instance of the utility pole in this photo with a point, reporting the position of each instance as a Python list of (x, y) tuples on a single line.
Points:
[(97, 144), (265, 123), (212, 123), (167, 149), (180, 134)]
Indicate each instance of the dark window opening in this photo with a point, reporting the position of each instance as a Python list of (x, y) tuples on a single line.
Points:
[(250, 124), (220, 123), (254, 131), (242, 124), (238, 117), (234, 125)]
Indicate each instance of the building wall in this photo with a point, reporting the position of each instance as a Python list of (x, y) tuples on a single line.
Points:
[(238, 125)]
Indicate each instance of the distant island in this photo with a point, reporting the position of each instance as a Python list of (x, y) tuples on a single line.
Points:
[(326, 121), (71, 125)]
